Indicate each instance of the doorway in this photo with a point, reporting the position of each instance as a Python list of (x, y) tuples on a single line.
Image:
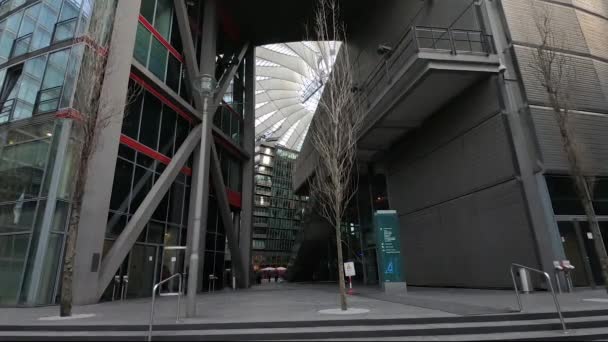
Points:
[(579, 248), (143, 262), (173, 262)]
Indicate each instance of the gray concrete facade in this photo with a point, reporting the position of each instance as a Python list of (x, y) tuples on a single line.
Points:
[(469, 181)]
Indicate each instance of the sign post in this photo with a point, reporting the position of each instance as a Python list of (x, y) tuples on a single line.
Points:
[(388, 245), (349, 271)]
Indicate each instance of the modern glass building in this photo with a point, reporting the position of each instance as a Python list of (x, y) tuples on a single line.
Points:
[(43, 76), (277, 210), (459, 138)]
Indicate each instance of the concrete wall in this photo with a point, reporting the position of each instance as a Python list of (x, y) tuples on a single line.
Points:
[(385, 23), (96, 200), (580, 27), (462, 213)]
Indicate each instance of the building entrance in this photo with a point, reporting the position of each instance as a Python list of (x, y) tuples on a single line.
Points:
[(173, 262), (579, 248)]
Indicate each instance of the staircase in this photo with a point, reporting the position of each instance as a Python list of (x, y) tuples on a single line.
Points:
[(582, 325)]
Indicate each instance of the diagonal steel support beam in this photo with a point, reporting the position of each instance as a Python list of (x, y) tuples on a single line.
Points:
[(127, 238), (181, 13), (229, 76), (224, 209)]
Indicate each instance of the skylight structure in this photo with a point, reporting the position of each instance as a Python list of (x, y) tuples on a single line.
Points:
[(290, 78)]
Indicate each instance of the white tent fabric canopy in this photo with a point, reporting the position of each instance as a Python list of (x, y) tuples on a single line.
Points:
[(288, 90)]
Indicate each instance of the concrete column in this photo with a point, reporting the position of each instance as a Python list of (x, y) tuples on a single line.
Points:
[(97, 192), (46, 226), (514, 105), (201, 188), (249, 146)]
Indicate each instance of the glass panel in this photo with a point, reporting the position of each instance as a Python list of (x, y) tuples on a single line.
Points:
[(162, 21), (22, 165), (156, 232), (167, 131), (142, 43), (130, 123), (563, 196), (21, 45), (68, 172), (116, 224), (161, 210), (65, 30), (55, 70), (599, 190), (50, 269), (173, 73), (48, 17), (17, 217), (147, 9), (173, 263), (141, 187), (122, 186), (148, 133), (158, 59), (13, 249), (71, 75), (171, 236), (61, 216), (176, 203), (70, 10)]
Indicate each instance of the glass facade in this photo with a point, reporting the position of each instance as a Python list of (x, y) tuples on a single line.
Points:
[(39, 67), (42, 49), (573, 226), (278, 211), (158, 44)]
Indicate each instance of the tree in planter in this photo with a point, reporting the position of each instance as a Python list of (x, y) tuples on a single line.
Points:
[(554, 71), (93, 115), (335, 128)]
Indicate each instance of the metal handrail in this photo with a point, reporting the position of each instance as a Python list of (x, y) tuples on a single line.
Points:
[(559, 311), (179, 295)]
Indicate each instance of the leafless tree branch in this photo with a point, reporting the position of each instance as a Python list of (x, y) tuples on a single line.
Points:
[(335, 128), (554, 70)]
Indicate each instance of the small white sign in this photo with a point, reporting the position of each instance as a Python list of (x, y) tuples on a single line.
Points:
[(173, 259), (589, 236), (150, 258), (349, 269)]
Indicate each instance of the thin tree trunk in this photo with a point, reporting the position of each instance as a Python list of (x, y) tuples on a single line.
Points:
[(594, 226), (68, 263), (582, 188), (343, 305), (65, 308)]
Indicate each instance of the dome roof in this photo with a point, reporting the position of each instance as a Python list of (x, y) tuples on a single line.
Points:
[(289, 84)]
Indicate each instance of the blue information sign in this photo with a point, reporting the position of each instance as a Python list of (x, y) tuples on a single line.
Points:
[(386, 224)]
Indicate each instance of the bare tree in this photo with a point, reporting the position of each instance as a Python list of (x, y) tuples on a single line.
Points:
[(555, 73), (92, 115), (334, 130)]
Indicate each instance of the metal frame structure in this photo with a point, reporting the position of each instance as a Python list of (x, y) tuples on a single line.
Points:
[(199, 142)]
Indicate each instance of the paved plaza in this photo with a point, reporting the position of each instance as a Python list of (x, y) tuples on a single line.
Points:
[(302, 302)]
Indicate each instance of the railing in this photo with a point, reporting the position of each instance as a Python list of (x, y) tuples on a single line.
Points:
[(48, 99), (425, 38), (6, 111), (21, 45), (64, 30), (546, 275), (178, 294)]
